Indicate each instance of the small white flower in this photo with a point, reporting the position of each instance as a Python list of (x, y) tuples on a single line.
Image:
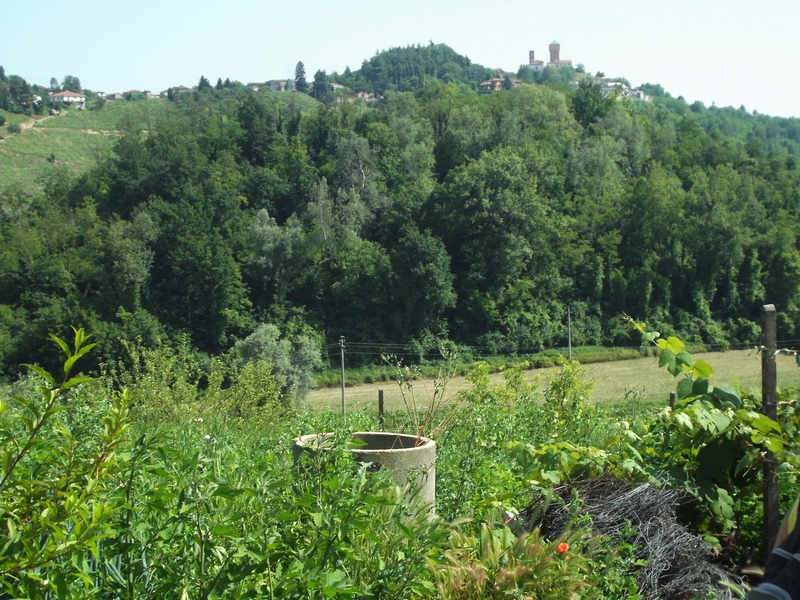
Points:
[(206, 437), (478, 420), (199, 420)]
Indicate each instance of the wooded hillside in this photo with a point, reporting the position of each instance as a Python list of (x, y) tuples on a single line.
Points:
[(431, 214)]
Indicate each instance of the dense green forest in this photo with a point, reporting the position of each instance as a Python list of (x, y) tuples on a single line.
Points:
[(434, 213)]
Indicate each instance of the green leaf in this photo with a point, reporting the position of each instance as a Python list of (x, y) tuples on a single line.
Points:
[(553, 477), (684, 388), (675, 344), (74, 381), (405, 530), (727, 395), (221, 530), (699, 387), (61, 344), (744, 463), (667, 358), (650, 336), (774, 444), (722, 505), (702, 369), (683, 421), (71, 360), (764, 424), (41, 373), (721, 420), (334, 577), (684, 358), (62, 590)]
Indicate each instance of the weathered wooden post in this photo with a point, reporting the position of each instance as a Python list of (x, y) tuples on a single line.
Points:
[(769, 406), (672, 396), (344, 412), (380, 408)]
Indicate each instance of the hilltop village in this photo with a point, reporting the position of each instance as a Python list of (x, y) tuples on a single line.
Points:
[(555, 70), (618, 87)]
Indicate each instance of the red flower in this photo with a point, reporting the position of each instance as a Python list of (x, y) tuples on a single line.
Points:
[(562, 547)]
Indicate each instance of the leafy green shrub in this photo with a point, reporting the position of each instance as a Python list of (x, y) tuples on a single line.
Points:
[(14, 128), (292, 360), (60, 459), (166, 383), (162, 382)]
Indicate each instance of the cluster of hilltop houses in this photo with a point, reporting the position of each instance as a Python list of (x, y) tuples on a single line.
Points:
[(609, 86), (78, 99)]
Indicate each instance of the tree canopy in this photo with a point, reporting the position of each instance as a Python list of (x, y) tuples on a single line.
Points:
[(436, 214)]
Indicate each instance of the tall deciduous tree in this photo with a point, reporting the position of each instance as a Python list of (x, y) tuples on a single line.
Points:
[(71, 83), (505, 266), (590, 104), (320, 86)]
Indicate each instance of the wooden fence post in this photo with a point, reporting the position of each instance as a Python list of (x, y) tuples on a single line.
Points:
[(769, 406), (380, 408)]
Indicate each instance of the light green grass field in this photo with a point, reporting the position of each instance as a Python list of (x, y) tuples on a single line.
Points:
[(76, 138), (637, 380), (23, 157), (142, 113), (79, 148), (17, 170), (12, 118), (302, 102)]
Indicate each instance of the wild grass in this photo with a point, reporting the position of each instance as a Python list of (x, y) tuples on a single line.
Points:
[(547, 358), (12, 118), (639, 381)]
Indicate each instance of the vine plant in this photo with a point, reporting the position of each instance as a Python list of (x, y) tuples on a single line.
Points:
[(710, 445), (713, 442)]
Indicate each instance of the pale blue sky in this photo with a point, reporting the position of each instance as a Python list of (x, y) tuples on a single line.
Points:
[(729, 52)]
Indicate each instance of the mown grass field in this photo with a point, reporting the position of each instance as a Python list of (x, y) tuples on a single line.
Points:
[(633, 380)]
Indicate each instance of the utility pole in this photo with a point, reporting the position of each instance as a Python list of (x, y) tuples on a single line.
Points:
[(769, 407), (569, 332), (344, 413)]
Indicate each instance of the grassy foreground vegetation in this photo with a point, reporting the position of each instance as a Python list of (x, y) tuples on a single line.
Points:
[(174, 486)]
